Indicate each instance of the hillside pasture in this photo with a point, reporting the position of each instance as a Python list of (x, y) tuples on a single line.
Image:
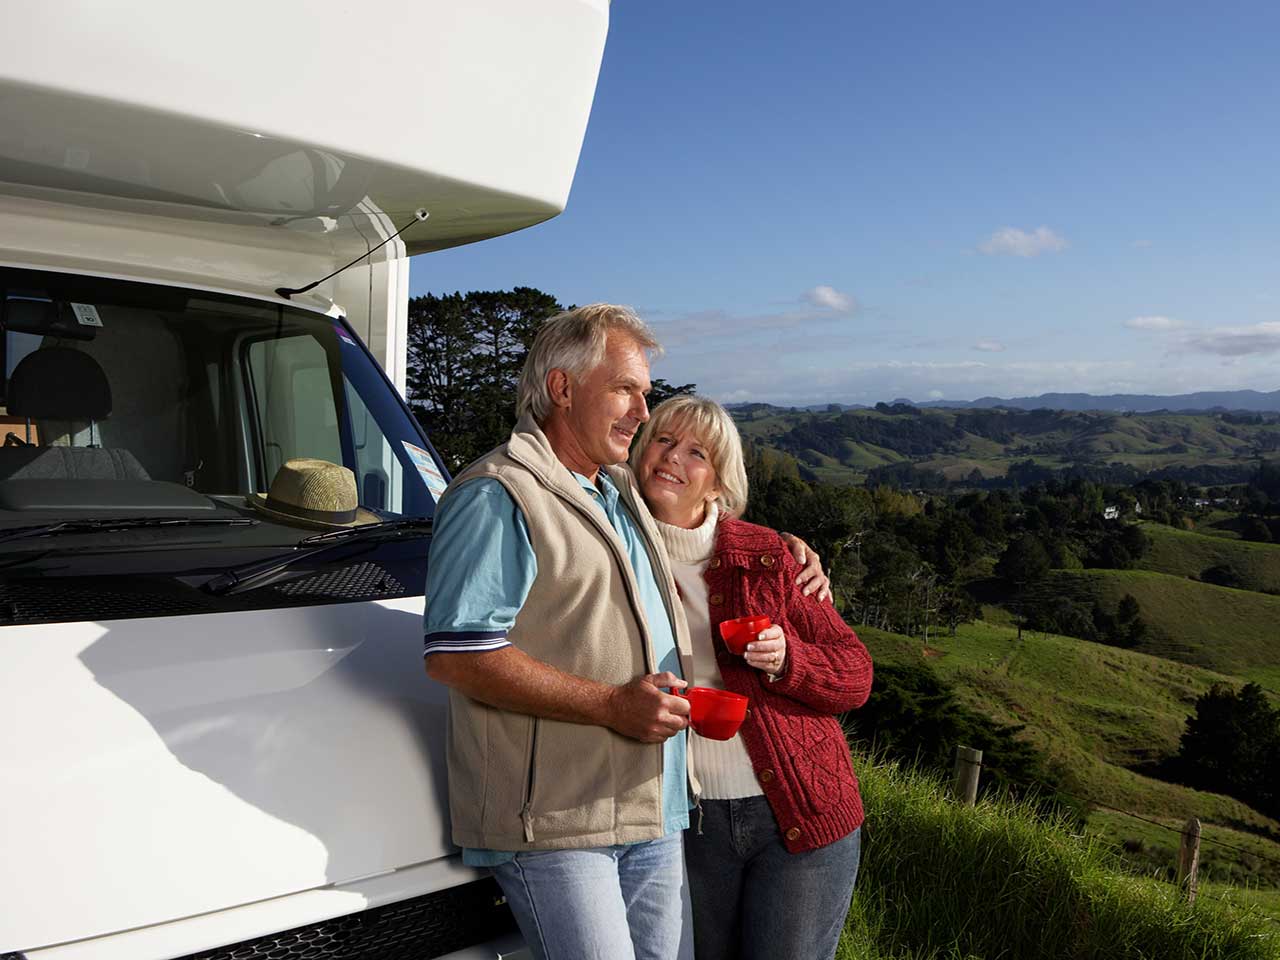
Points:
[(1097, 713), (942, 881), (1230, 631), (1183, 553)]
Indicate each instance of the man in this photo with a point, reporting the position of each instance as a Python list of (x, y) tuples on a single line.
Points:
[(551, 615)]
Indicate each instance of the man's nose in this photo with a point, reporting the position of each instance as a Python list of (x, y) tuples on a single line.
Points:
[(640, 409)]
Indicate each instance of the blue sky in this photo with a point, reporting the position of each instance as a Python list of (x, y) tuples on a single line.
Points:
[(818, 202)]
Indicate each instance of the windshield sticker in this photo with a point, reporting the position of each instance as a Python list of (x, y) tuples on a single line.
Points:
[(87, 314), (427, 469), (341, 331)]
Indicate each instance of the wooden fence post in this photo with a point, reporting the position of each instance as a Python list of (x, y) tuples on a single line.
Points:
[(1189, 858), (964, 775)]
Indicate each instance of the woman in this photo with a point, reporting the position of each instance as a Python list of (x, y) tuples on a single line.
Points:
[(773, 852)]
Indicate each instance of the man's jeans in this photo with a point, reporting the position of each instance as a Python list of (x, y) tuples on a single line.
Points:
[(626, 902), (753, 899)]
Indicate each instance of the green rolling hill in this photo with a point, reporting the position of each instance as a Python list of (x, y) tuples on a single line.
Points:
[(1235, 632), (1183, 553), (844, 444), (1099, 714)]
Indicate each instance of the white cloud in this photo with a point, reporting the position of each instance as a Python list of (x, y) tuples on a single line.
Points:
[(1154, 323), (1010, 241), (936, 394), (990, 346), (1259, 338), (829, 298)]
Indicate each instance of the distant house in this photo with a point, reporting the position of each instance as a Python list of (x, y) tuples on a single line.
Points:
[(1137, 508), (1110, 513)]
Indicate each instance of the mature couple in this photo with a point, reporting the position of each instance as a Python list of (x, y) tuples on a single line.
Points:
[(568, 597)]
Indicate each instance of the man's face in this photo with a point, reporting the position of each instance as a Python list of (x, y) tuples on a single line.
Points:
[(607, 405)]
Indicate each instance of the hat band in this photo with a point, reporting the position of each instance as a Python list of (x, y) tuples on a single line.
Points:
[(302, 513)]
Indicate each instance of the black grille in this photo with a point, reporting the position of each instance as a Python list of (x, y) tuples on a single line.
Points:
[(426, 926), (360, 581), (56, 600)]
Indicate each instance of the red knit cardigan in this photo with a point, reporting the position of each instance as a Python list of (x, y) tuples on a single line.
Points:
[(796, 745)]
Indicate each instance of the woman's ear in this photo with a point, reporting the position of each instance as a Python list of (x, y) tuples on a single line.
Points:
[(560, 387)]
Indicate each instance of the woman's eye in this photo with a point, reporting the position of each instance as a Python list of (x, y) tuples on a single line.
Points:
[(699, 454)]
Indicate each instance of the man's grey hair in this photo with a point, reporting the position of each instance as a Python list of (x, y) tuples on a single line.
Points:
[(574, 341)]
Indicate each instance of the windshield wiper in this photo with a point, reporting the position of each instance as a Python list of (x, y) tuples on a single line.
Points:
[(254, 575), (99, 525)]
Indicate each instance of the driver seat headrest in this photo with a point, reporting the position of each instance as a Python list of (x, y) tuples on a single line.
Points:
[(58, 383)]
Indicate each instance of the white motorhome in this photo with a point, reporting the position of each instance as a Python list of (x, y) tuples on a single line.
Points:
[(216, 736)]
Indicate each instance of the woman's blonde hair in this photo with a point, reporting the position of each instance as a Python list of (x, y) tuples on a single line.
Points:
[(711, 424), (574, 341)]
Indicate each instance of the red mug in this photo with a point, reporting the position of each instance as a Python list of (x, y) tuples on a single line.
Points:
[(715, 714), (736, 634)]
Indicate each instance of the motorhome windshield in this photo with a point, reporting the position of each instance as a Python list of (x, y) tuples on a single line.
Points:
[(124, 399)]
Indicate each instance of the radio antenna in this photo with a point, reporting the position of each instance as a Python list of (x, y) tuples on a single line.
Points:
[(419, 216)]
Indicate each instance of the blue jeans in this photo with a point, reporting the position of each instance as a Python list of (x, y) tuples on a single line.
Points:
[(752, 899), (626, 902)]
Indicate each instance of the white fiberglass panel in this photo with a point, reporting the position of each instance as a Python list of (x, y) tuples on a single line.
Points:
[(474, 110), (156, 769)]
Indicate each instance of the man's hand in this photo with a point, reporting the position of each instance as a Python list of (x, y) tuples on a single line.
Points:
[(811, 578), (642, 711)]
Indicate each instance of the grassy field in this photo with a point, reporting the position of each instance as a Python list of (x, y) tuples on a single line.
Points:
[(1235, 632), (1094, 711), (1185, 554), (941, 881), (1229, 859)]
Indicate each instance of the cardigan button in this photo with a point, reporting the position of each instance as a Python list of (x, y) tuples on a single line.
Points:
[(766, 561), (715, 599), (766, 776), (793, 833), (715, 563)]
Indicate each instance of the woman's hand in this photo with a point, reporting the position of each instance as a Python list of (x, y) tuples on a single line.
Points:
[(768, 652)]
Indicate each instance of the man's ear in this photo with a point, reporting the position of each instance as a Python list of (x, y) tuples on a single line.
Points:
[(560, 386)]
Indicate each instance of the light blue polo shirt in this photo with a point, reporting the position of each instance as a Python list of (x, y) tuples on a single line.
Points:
[(481, 568)]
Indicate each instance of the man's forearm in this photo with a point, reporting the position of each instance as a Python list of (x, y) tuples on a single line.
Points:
[(512, 680)]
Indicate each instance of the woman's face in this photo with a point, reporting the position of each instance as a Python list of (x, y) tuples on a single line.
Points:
[(676, 477)]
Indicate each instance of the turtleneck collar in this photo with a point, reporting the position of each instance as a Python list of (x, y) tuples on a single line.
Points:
[(691, 546)]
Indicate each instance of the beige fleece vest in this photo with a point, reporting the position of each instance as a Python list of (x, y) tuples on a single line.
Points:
[(524, 783)]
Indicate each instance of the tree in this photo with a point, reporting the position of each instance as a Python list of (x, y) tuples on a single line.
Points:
[(464, 359), (1024, 561), (1232, 745), (1222, 574), (1255, 529), (665, 391)]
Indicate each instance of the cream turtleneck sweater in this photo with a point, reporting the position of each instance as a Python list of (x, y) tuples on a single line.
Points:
[(723, 766)]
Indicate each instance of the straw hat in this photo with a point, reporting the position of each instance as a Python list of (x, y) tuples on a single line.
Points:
[(313, 493)]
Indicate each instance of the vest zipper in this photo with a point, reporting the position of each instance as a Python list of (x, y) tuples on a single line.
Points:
[(526, 812)]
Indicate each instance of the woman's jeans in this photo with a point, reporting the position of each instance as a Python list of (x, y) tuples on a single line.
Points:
[(602, 903), (752, 899)]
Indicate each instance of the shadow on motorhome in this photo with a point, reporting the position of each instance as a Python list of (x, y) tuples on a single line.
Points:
[(254, 704)]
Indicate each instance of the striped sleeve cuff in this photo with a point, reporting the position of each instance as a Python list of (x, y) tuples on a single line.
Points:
[(471, 641)]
